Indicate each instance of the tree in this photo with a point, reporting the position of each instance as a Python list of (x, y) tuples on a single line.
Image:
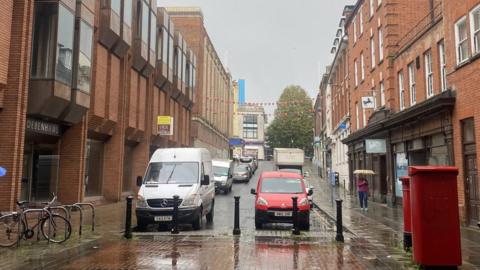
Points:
[(293, 123)]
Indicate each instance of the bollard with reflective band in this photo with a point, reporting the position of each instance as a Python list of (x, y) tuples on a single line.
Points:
[(339, 236), (236, 223), (175, 215), (128, 218), (296, 229), (407, 214)]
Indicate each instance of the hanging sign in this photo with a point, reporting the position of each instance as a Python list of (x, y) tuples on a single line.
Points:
[(368, 103), (165, 125)]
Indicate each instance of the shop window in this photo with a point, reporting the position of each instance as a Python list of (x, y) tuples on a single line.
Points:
[(94, 168), (85, 57), (437, 150)]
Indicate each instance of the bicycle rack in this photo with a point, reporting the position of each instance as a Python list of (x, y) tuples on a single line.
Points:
[(93, 212), (69, 207), (38, 228), (64, 209)]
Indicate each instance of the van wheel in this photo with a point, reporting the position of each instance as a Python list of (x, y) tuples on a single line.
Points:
[(197, 223), (210, 214)]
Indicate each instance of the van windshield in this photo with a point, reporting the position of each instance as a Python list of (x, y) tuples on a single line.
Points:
[(220, 171), (172, 173)]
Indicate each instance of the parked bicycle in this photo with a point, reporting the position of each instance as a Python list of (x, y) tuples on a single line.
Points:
[(15, 226)]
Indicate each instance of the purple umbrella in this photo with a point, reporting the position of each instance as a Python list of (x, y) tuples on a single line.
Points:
[(3, 171)]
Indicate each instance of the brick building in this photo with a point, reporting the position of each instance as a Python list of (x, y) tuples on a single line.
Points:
[(417, 60), (213, 110), (80, 111)]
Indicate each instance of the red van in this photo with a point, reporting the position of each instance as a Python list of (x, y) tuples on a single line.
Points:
[(273, 199)]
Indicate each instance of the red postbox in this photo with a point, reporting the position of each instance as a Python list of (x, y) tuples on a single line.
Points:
[(407, 214), (435, 218)]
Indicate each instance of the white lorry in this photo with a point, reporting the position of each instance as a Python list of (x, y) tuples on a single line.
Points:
[(290, 159)]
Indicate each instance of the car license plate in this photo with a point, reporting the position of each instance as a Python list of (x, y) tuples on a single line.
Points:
[(283, 214), (163, 218)]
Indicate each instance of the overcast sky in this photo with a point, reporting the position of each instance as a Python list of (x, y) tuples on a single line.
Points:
[(271, 43)]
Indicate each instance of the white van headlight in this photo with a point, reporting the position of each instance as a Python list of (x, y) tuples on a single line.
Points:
[(141, 202), (190, 200)]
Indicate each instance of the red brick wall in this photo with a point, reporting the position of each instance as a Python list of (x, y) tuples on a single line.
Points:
[(6, 25), (464, 80)]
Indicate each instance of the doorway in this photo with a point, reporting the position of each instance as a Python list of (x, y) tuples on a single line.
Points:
[(40, 172), (472, 198)]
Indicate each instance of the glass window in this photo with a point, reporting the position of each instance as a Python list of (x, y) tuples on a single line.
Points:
[(461, 38), (116, 6), (382, 93), (66, 21), (170, 52), (94, 168), (153, 31), (357, 116), (429, 73), (281, 185), (184, 66), (145, 12), (380, 44), (178, 64), (361, 19), (354, 25), (355, 66), (443, 65), (412, 84), (475, 25), (85, 57), (401, 91), (43, 46), (127, 12), (372, 51), (372, 7), (362, 64), (172, 173), (220, 171)]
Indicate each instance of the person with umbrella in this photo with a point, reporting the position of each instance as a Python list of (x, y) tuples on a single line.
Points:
[(362, 187)]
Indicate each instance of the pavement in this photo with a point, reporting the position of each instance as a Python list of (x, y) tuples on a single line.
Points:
[(372, 240), (382, 226)]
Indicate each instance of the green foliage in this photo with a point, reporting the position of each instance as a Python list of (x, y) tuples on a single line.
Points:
[(293, 123)]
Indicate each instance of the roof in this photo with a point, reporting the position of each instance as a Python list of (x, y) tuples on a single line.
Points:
[(180, 154), (278, 174)]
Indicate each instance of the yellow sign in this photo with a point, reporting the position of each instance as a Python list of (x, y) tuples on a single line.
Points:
[(165, 125)]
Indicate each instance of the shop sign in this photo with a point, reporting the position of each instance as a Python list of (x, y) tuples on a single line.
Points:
[(43, 127), (368, 103), (165, 125), (375, 146)]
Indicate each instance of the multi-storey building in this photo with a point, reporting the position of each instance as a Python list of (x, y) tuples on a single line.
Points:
[(460, 65), (80, 97), (321, 153), (251, 124), (213, 110)]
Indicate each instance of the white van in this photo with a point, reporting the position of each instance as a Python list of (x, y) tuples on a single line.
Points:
[(223, 175), (185, 172)]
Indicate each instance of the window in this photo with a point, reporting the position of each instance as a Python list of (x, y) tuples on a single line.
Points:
[(475, 29), (429, 73), (66, 26), (43, 44), (461, 40), (127, 12), (153, 32), (250, 127), (362, 63), (355, 66), (372, 7), (412, 84), (372, 51), (361, 19), (357, 116), (163, 44), (170, 52), (116, 6), (145, 12), (443, 65), (354, 29), (401, 91), (380, 44), (85, 57), (379, 2), (382, 93)]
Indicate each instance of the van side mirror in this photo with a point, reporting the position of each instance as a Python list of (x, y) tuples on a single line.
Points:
[(139, 181), (205, 180), (252, 191)]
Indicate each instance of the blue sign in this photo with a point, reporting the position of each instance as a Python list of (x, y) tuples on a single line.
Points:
[(3, 171), (241, 91), (236, 141), (343, 125)]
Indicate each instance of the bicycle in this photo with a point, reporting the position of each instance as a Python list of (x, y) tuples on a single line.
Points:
[(14, 226)]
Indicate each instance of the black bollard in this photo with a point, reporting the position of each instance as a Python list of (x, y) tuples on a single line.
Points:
[(296, 230), (339, 236), (236, 223), (175, 215), (128, 218)]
